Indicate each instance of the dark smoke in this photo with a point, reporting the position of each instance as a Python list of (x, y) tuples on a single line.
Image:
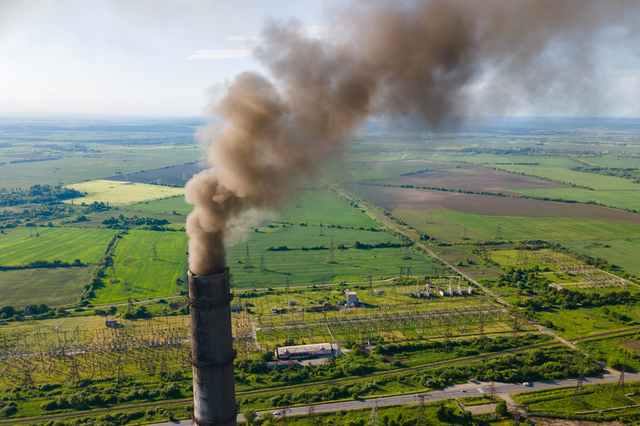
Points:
[(431, 60)]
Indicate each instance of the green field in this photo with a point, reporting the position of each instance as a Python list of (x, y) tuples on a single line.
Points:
[(591, 180), (611, 351), (310, 267), (574, 323), (517, 228), (66, 244), (134, 267), (323, 206), (77, 167), (121, 193), (623, 199), (53, 287), (620, 252), (561, 401), (167, 205)]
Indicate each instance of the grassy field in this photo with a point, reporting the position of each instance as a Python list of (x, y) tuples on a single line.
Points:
[(592, 180), (323, 206), (624, 199), (572, 323), (135, 268), (620, 252), (77, 167), (121, 193), (517, 228), (611, 350), (66, 244), (53, 287), (166, 205), (305, 267), (561, 401)]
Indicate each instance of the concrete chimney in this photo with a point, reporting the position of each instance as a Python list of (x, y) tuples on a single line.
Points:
[(214, 399)]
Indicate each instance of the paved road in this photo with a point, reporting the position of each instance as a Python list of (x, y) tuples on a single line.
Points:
[(467, 389)]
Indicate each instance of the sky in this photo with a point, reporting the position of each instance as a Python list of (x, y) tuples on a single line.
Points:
[(142, 58), (163, 57)]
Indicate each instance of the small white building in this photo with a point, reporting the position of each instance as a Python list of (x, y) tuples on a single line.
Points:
[(352, 297), (305, 351)]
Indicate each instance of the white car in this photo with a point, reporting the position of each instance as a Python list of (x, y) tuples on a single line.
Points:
[(528, 384)]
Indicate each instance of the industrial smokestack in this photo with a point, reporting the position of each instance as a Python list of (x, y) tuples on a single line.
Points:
[(214, 402)]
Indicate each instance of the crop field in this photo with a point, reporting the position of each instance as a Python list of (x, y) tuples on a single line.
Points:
[(175, 175), (620, 199), (53, 287), (305, 267), (65, 244), (317, 206), (392, 199), (166, 205), (80, 167), (121, 193), (137, 275), (362, 168), (591, 180), (472, 178), (620, 252)]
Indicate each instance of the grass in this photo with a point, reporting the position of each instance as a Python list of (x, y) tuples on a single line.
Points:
[(66, 244), (561, 401), (614, 349), (145, 277), (323, 206), (518, 228), (121, 193), (53, 287), (572, 323), (166, 205), (479, 400), (629, 199), (591, 180), (311, 267), (620, 252)]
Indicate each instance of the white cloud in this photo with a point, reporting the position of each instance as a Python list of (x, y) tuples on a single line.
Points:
[(245, 38), (221, 54)]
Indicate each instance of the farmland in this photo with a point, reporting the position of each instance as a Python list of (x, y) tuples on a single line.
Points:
[(53, 287), (305, 259), (121, 193), (135, 274), (65, 244)]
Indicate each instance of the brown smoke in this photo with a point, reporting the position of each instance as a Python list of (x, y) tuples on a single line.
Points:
[(432, 60)]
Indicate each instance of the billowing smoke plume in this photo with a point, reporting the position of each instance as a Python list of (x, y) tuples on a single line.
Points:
[(432, 60)]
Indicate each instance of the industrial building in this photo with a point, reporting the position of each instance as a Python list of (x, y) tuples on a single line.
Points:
[(305, 351), (352, 297)]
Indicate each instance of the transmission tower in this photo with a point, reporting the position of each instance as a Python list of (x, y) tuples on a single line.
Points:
[(374, 417), (492, 389), (247, 258), (262, 265), (311, 414), (321, 230), (578, 394), (421, 419), (516, 325), (464, 232), (619, 389), (429, 217), (332, 258), (499, 232), (405, 251), (155, 257)]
